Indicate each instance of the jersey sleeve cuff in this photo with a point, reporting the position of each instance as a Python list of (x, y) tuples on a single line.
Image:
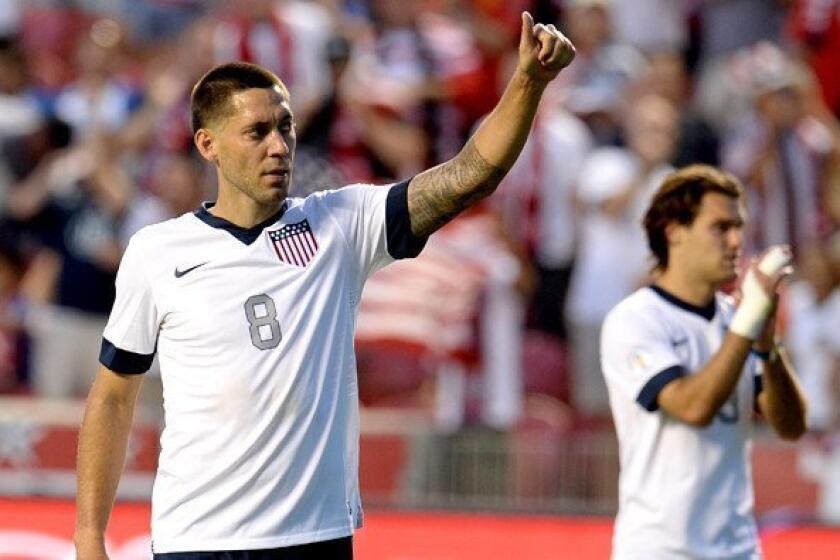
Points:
[(123, 361), (402, 243), (649, 394)]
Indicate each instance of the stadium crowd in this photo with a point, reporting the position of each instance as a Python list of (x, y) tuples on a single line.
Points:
[(503, 316)]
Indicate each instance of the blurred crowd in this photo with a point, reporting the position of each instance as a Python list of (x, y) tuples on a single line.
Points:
[(498, 321)]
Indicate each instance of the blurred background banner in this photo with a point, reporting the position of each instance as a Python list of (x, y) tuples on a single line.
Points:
[(478, 362), (36, 529)]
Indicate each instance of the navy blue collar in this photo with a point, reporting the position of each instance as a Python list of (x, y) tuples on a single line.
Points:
[(707, 311), (245, 235)]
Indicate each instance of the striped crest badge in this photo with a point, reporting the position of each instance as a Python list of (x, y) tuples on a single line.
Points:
[(294, 244)]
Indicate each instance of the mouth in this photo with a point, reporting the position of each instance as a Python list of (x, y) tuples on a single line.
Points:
[(279, 172)]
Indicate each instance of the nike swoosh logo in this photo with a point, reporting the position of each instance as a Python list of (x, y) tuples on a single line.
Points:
[(179, 273)]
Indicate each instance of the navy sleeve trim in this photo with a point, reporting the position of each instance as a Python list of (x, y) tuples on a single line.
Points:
[(402, 244), (650, 392), (123, 361)]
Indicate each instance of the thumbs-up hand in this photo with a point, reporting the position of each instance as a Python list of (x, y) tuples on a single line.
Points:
[(543, 50)]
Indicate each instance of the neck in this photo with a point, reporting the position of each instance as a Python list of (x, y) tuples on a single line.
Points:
[(677, 281), (244, 211)]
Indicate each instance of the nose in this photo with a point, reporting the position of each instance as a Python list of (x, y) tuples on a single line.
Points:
[(735, 239), (277, 145)]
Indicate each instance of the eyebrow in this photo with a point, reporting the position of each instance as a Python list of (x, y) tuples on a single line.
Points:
[(729, 222), (284, 117)]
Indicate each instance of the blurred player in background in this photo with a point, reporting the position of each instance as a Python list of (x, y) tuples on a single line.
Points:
[(250, 304), (685, 370)]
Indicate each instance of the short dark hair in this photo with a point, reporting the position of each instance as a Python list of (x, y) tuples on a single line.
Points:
[(678, 200), (211, 95)]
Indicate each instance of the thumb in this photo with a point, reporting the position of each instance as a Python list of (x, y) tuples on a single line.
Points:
[(527, 39)]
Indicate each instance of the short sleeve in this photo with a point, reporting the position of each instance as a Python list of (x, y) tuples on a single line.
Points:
[(376, 223), (638, 357), (130, 337)]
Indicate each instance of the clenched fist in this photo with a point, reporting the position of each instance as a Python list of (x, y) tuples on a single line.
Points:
[(543, 50)]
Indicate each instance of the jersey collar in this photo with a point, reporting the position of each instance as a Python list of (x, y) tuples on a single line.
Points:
[(245, 235), (707, 311)]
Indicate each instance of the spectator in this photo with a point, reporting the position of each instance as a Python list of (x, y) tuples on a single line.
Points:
[(14, 357), (287, 37), (603, 69), (10, 16), (161, 124), (815, 26), (409, 69), (483, 58), (613, 190), (667, 76), (154, 21), (19, 111), (98, 100), (814, 341), (781, 150), (176, 187), (650, 25), (23, 155), (72, 203), (20, 114), (813, 304), (349, 140), (727, 27), (537, 206)]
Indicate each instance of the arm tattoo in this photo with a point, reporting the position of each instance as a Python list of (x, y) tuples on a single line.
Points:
[(442, 192)]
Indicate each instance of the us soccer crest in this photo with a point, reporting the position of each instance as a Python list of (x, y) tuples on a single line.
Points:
[(295, 244)]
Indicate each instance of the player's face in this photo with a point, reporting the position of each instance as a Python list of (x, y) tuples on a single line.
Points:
[(713, 242), (255, 145)]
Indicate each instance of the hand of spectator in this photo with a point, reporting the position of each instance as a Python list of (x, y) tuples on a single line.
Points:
[(66, 167), (543, 50), (815, 106), (364, 86), (167, 88), (616, 206)]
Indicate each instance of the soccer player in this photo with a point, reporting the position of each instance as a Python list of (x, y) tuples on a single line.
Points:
[(685, 369), (250, 305)]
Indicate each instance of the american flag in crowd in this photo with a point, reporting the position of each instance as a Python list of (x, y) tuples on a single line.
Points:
[(295, 244)]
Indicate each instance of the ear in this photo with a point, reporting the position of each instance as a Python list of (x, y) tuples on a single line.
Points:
[(205, 141), (674, 234)]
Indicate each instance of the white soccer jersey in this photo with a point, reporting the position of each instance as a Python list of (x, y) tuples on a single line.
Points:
[(684, 492), (254, 332)]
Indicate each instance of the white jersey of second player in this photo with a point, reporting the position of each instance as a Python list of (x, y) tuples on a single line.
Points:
[(684, 492), (254, 331)]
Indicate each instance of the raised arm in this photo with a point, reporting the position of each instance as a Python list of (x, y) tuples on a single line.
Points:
[(440, 193)]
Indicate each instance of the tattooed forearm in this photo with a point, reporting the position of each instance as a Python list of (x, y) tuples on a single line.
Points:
[(439, 194)]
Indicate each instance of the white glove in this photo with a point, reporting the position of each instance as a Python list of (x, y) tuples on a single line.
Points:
[(756, 304)]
